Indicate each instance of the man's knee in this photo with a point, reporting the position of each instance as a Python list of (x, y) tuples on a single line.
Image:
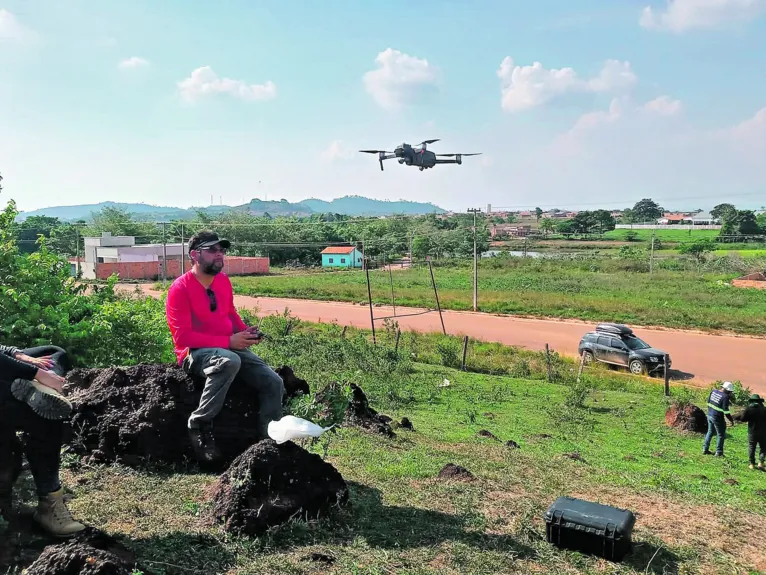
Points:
[(222, 361)]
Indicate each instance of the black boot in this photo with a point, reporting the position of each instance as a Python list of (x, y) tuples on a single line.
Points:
[(204, 446)]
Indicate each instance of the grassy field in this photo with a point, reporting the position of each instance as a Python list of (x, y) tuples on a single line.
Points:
[(694, 514), (663, 235), (588, 289)]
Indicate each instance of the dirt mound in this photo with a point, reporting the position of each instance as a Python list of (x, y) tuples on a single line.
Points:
[(487, 434), (575, 456), (360, 414), (405, 423), (294, 385), (511, 444), (452, 471), (138, 413), (686, 418), (92, 554), (270, 484)]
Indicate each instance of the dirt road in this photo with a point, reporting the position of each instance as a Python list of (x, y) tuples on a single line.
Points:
[(697, 357)]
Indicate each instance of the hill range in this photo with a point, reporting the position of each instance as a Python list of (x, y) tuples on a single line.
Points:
[(347, 205)]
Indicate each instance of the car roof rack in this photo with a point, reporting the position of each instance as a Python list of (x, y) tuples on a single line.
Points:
[(614, 328)]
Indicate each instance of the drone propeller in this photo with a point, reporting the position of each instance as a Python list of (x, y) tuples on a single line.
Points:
[(375, 152), (453, 155), (429, 141)]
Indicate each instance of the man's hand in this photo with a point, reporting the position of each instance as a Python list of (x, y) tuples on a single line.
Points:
[(40, 362), (50, 379), (242, 340)]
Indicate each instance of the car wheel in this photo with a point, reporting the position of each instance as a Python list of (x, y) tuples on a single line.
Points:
[(637, 367), (587, 357)]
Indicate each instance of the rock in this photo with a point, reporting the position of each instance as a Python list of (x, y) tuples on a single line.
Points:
[(360, 414), (452, 471), (133, 414), (686, 418), (294, 385), (406, 424), (731, 481), (575, 456), (269, 484), (89, 554), (511, 444)]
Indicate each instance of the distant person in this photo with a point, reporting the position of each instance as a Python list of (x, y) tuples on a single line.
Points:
[(755, 416), (717, 409), (33, 378), (211, 342)]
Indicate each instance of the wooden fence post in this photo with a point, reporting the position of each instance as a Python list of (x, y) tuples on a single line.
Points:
[(548, 360), (582, 363), (398, 335), (667, 376), (465, 352)]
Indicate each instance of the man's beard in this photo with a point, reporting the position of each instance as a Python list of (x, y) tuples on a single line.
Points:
[(212, 268)]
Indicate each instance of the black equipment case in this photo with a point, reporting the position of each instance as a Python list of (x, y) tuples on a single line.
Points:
[(590, 527)]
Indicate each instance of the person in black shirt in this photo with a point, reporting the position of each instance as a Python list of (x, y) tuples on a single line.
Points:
[(755, 416), (28, 373)]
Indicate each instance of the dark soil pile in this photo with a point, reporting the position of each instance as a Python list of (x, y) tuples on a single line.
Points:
[(405, 423), (95, 554), (270, 484), (294, 385), (452, 471), (140, 413), (511, 444), (487, 434), (360, 414), (686, 418)]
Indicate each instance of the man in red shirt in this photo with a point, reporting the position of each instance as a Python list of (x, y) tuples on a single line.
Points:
[(212, 342)]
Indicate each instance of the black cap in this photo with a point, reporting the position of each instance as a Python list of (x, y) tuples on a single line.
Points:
[(206, 239)]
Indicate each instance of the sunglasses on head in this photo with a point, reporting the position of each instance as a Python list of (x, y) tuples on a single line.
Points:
[(211, 298)]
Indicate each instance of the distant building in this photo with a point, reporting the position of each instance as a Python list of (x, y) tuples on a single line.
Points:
[(513, 230), (704, 219), (670, 219), (342, 257), (110, 254)]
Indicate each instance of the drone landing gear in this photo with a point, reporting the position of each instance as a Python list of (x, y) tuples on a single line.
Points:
[(421, 168)]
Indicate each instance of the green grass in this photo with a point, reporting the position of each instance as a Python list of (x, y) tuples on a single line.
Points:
[(663, 235), (403, 519), (585, 288)]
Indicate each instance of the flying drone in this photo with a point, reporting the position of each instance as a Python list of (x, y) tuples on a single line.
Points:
[(417, 156)]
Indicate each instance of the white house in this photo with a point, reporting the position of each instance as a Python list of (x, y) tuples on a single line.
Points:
[(123, 249), (704, 219)]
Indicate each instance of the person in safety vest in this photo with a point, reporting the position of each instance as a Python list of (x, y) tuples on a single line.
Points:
[(718, 409)]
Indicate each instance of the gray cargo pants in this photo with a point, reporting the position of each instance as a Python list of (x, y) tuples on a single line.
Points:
[(220, 367)]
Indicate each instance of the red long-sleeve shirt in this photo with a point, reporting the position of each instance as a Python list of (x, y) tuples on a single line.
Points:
[(190, 320)]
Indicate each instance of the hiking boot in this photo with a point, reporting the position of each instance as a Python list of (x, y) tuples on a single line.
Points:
[(719, 455), (204, 446), (54, 516), (752, 466), (707, 452), (44, 401), (761, 466)]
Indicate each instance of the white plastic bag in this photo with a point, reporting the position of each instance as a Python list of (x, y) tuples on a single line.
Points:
[(291, 427)]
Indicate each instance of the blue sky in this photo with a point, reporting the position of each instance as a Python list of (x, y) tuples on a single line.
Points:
[(572, 104)]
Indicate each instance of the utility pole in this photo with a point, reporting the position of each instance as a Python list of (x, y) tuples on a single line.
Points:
[(183, 251), (164, 254), (77, 251), (475, 263)]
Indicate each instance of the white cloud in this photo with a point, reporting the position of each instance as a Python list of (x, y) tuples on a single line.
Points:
[(526, 87), (399, 78), (682, 15), (133, 62), (664, 105), (336, 151), (204, 81), (12, 29)]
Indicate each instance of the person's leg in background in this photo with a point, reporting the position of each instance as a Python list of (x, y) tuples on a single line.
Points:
[(58, 356), (268, 386), (42, 439)]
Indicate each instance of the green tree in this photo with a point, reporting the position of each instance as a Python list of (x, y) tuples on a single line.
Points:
[(538, 213), (646, 210), (698, 249), (547, 226), (722, 211), (740, 223), (604, 220), (421, 247)]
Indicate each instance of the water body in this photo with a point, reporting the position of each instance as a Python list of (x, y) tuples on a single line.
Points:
[(518, 254)]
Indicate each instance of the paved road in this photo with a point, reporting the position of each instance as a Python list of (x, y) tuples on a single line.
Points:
[(697, 357)]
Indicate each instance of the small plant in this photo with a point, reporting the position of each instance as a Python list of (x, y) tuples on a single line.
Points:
[(448, 349)]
